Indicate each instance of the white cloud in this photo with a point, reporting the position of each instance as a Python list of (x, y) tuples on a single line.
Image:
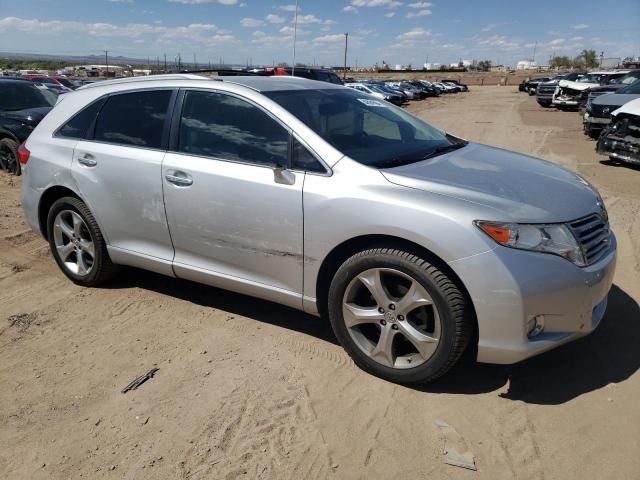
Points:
[(199, 33), (580, 26), (390, 14), (488, 28), (271, 18), (417, 34), (376, 3), (350, 9), (287, 30), (251, 22), (419, 13), (309, 19), (420, 5), (288, 8), (334, 38)]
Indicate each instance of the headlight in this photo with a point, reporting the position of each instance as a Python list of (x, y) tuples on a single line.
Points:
[(556, 239)]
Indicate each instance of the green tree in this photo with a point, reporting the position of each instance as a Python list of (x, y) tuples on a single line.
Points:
[(561, 62), (587, 58)]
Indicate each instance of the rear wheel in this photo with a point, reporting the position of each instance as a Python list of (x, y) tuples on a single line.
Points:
[(9, 156), (398, 316), (77, 243)]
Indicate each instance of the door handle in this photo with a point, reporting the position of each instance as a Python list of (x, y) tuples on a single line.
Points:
[(87, 160), (180, 179)]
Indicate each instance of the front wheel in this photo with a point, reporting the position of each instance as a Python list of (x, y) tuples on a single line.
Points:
[(398, 316), (77, 243)]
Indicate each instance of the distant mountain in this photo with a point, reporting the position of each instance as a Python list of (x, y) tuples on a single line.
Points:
[(91, 59)]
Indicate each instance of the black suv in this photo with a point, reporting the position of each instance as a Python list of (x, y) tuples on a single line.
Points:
[(22, 106)]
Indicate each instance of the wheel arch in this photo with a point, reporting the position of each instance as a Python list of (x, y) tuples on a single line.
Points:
[(47, 199), (350, 247)]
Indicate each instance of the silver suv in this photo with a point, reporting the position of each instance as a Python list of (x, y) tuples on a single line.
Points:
[(414, 243)]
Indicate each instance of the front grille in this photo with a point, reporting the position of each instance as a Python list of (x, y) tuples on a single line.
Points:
[(603, 111), (593, 235), (548, 90)]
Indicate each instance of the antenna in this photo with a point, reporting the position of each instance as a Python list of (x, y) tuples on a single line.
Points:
[(295, 34)]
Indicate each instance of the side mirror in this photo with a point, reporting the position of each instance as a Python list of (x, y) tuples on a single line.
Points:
[(284, 176)]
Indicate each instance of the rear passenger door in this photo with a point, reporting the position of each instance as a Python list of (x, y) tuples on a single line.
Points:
[(118, 171), (235, 218)]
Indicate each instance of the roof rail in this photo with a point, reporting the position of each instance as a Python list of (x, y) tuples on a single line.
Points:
[(150, 78)]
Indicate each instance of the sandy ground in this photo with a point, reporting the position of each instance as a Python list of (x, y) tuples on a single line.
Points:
[(248, 389)]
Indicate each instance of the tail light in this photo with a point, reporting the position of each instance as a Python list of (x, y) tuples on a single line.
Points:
[(23, 154)]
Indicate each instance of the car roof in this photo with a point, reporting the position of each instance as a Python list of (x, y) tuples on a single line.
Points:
[(14, 80), (258, 83)]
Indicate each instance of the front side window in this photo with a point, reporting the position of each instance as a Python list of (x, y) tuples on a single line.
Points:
[(368, 130), (135, 118), (226, 127), (634, 88)]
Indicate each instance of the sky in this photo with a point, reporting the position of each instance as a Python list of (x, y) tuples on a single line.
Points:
[(261, 32)]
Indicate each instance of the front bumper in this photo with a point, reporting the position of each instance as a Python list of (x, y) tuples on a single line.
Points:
[(565, 103), (524, 284), (596, 122)]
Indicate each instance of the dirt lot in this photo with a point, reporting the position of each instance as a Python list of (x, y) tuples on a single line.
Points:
[(248, 389)]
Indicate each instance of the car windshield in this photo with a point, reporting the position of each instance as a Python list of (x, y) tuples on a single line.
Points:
[(629, 78), (589, 78), (634, 88), (368, 130), (66, 83), (22, 95)]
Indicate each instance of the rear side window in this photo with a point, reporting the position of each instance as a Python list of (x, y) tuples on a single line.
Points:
[(226, 127), (135, 119), (79, 125)]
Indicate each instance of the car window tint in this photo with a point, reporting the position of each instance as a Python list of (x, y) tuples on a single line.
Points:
[(79, 125), (135, 118), (303, 159), (226, 127)]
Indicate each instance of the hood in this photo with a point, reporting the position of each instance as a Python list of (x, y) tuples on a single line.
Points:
[(519, 188), (607, 88), (575, 85), (631, 108), (615, 99), (30, 116)]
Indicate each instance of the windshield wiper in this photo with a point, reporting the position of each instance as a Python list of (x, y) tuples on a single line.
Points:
[(445, 148)]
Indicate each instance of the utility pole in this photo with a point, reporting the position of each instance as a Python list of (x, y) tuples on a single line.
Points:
[(601, 58), (179, 62), (106, 60), (165, 63), (346, 44), (535, 46), (195, 62), (295, 35)]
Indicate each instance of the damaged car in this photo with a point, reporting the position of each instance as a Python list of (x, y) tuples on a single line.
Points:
[(569, 94), (621, 139), (545, 90), (598, 114), (611, 87)]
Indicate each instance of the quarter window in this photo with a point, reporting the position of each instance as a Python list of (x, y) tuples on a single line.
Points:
[(303, 159), (226, 127), (135, 118), (78, 126)]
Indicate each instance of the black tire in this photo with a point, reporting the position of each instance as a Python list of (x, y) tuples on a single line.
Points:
[(453, 307), (9, 154), (103, 269)]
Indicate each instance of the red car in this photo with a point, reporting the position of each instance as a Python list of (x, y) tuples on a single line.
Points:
[(62, 82)]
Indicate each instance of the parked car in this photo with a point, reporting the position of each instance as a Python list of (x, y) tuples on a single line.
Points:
[(413, 242), (545, 90), (62, 83), (375, 92), (569, 94), (433, 90), (598, 114), (529, 85), (620, 141), (22, 107), (612, 86), (411, 92), (463, 87)]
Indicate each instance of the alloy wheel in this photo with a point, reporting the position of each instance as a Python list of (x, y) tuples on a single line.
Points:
[(73, 243), (392, 318)]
